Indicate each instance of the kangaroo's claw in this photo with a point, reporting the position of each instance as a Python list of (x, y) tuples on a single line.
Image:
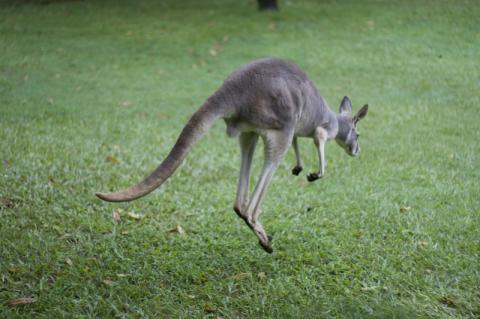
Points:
[(296, 170)]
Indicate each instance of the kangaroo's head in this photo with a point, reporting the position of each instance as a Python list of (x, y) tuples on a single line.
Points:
[(347, 136)]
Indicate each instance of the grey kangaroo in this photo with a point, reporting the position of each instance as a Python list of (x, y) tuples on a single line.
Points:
[(275, 100)]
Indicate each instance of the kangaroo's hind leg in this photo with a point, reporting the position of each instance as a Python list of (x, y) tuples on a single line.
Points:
[(248, 142), (276, 145)]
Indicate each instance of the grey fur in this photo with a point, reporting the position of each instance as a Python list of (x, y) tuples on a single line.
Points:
[(272, 99)]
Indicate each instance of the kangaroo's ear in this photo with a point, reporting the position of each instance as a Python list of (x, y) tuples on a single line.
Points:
[(361, 113), (346, 105)]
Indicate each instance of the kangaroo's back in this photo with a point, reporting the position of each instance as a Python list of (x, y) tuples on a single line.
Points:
[(268, 94)]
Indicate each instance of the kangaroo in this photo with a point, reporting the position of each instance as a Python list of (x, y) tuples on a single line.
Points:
[(272, 99)]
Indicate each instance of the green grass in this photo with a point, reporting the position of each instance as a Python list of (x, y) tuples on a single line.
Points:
[(94, 94)]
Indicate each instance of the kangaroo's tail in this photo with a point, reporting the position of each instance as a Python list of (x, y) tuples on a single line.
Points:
[(196, 127)]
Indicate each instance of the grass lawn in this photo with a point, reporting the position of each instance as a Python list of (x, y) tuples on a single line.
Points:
[(93, 95)]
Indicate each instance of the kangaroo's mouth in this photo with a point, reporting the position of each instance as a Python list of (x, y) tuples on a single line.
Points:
[(353, 151)]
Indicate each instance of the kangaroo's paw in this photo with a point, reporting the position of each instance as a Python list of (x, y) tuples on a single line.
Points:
[(312, 177), (296, 170)]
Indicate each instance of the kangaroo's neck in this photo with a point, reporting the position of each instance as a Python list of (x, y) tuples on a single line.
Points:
[(328, 119)]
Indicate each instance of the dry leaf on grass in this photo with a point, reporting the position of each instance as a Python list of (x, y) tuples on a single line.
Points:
[(422, 243), (116, 216), (179, 230), (448, 301), (108, 282), (112, 159), (68, 261), (21, 301), (208, 308), (405, 208), (132, 215), (242, 275), (261, 275), (371, 288)]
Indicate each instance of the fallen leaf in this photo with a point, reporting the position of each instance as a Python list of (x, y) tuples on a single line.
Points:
[(108, 282), (21, 301), (112, 159), (448, 301), (116, 216), (208, 308), (272, 26), (132, 215), (422, 243), (126, 103), (213, 52), (68, 261), (405, 208), (6, 202), (179, 230), (261, 275), (124, 232), (13, 270), (242, 275), (370, 288)]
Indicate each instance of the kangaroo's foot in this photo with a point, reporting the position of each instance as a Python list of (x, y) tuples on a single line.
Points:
[(267, 247), (296, 170), (264, 239)]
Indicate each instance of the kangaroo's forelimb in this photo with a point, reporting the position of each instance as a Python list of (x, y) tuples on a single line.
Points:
[(319, 138), (298, 166)]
